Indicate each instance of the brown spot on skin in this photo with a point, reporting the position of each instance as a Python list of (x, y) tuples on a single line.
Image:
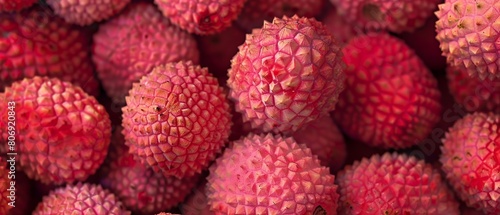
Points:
[(319, 211), (372, 12)]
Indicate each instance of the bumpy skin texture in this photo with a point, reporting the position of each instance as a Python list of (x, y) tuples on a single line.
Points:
[(470, 158), (4, 185), (340, 29), (255, 12), (201, 16), (63, 133), (468, 32), (270, 175), (391, 99), (392, 15), (394, 184), (471, 92), (177, 119), (15, 5), (286, 74), (35, 42), (80, 199), (86, 12), (131, 44), (325, 140)]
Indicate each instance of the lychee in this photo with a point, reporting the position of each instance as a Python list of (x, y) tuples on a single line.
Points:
[(63, 134), (80, 199), (471, 161), (177, 119), (15, 5), (86, 12), (201, 16), (468, 32), (394, 184), (391, 99), (270, 175), (131, 44), (286, 74)]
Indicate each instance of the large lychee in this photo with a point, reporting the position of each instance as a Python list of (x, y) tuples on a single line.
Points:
[(35, 42), (270, 175), (391, 99), (394, 184), (131, 44), (15, 5), (86, 12), (177, 119), (286, 74), (468, 32), (62, 133), (471, 160)]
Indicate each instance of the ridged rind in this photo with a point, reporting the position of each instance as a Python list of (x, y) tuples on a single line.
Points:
[(469, 36), (177, 119), (286, 74), (80, 199), (86, 12), (63, 134), (131, 44), (394, 183), (270, 175), (470, 158), (15, 5), (201, 16), (391, 99)]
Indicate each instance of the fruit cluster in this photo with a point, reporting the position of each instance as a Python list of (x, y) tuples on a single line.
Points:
[(383, 107)]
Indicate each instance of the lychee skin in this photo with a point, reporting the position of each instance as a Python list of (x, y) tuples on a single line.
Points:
[(197, 203), (15, 5), (255, 12), (286, 74), (391, 99), (468, 32), (471, 92), (131, 44), (63, 134), (80, 199), (201, 16), (394, 184), (470, 158), (177, 119), (86, 12), (36, 42), (340, 29), (270, 175), (4, 185), (390, 15)]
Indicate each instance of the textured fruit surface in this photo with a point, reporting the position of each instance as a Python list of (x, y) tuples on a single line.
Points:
[(470, 158), (468, 32), (35, 42), (255, 12), (324, 139), (340, 29), (4, 185), (270, 175), (80, 199), (391, 99), (63, 134), (131, 44), (286, 74), (177, 119), (394, 184), (86, 12), (15, 5), (471, 92), (391, 15), (201, 16)]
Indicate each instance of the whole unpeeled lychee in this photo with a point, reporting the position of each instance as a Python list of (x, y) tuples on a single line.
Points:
[(62, 133), (131, 44), (471, 160), (177, 119), (286, 74), (270, 175), (394, 184), (80, 199), (35, 42), (201, 16), (468, 32), (15, 5), (391, 99), (86, 12)]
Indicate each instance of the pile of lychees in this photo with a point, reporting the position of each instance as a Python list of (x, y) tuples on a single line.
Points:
[(204, 107)]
